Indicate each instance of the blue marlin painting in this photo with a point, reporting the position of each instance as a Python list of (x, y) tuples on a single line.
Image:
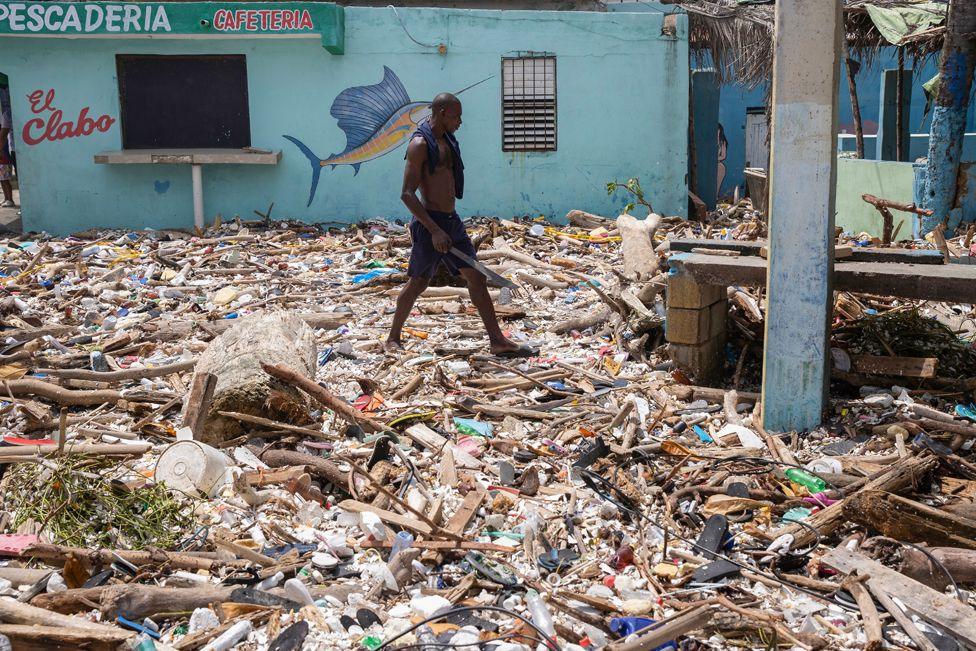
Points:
[(376, 120)]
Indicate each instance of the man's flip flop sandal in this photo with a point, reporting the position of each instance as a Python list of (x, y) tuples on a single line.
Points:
[(520, 352)]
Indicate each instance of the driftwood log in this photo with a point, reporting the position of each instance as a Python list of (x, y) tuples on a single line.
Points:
[(316, 466), (904, 519), (132, 601), (960, 563), (235, 357), (58, 638), (582, 219)]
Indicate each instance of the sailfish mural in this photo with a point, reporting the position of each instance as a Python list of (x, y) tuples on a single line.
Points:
[(376, 120)]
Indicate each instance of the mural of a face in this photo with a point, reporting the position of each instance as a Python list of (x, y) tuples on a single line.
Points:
[(723, 152)]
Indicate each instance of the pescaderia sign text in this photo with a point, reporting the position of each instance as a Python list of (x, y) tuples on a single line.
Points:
[(84, 18), (134, 19)]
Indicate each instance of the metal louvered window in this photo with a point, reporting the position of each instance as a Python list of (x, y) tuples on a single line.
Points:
[(529, 103)]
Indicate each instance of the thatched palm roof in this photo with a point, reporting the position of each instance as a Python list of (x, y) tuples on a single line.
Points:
[(738, 38)]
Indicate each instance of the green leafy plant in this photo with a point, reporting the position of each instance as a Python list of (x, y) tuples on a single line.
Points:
[(633, 187)]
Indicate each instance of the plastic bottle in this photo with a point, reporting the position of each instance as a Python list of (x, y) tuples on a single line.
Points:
[(230, 637), (624, 626), (812, 483), (270, 582), (403, 540), (371, 642), (598, 639), (5, 644), (540, 613), (142, 642)]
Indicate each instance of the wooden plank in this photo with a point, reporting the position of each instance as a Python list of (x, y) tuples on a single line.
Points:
[(198, 403), (932, 606), (463, 516), (404, 522), (904, 519), (900, 616), (858, 253), (955, 283), (900, 366), (425, 436)]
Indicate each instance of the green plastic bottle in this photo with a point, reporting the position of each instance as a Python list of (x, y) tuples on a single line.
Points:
[(371, 642), (812, 483)]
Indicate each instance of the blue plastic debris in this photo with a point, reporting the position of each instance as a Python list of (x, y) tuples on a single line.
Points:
[(325, 355), (966, 411), (374, 273), (474, 427), (136, 626), (703, 436)]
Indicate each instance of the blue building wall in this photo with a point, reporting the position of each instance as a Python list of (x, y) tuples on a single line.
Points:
[(736, 99), (609, 125)]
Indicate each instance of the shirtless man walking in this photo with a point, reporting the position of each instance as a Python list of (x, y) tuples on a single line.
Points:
[(434, 167)]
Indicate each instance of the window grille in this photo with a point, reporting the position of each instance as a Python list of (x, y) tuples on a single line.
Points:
[(529, 103)]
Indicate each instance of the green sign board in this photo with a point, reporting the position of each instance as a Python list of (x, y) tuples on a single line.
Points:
[(161, 19)]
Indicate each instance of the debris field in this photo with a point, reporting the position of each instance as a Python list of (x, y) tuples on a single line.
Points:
[(206, 447)]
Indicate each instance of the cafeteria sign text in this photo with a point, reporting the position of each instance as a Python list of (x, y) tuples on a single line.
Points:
[(199, 19)]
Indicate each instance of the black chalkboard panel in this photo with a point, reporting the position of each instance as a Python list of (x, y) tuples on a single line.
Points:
[(183, 102)]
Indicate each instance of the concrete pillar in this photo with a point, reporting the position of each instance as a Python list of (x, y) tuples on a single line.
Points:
[(803, 164), (886, 147), (949, 113), (705, 92)]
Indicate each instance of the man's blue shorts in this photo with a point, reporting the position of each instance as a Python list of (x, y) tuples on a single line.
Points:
[(424, 258)]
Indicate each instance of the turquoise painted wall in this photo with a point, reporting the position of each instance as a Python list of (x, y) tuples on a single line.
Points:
[(622, 111), (889, 179)]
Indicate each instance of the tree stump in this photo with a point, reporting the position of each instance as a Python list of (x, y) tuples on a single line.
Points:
[(235, 357)]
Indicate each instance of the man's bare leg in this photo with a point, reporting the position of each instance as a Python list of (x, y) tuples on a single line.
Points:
[(408, 296), (8, 190), (478, 290)]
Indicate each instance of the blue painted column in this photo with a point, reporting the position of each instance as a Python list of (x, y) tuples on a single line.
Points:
[(803, 167), (887, 145), (949, 114), (705, 93)]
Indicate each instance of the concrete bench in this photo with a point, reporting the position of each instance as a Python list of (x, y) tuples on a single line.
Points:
[(196, 159), (697, 301), (858, 254)]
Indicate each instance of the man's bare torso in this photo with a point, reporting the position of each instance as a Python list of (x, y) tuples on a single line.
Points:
[(437, 187)]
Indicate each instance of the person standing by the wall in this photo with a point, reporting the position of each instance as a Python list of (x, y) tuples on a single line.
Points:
[(6, 147)]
